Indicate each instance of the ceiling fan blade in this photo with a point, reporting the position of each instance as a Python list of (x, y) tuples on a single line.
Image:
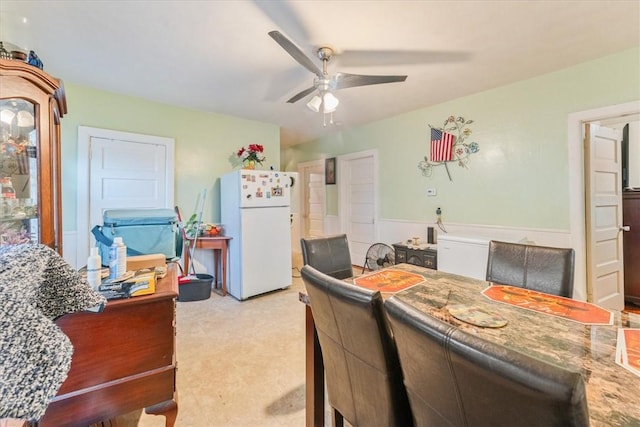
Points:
[(356, 58), (345, 80), (301, 95), (295, 52), (283, 15)]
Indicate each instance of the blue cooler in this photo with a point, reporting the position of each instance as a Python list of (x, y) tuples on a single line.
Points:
[(144, 231)]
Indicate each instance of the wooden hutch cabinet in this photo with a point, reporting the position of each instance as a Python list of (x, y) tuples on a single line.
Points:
[(631, 244), (31, 106), (124, 357)]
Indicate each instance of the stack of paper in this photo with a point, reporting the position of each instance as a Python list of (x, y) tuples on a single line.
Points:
[(132, 284)]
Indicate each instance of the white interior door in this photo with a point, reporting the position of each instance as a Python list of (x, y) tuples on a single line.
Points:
[(315, 217), (313, 197), (605, 280), (125, 174), (358, 189), (120, 170)]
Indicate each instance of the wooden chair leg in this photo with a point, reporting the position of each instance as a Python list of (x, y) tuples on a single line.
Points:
[(314, 367), (338, 419)]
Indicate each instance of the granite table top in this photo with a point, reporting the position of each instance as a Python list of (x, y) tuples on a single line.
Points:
[(612, 391)]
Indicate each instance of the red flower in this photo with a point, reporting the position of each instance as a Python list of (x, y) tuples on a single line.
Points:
[(253, 153)]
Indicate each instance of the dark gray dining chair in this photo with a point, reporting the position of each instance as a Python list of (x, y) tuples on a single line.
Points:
[(540, 268), (329, 255), (454, 378), (363, 374)]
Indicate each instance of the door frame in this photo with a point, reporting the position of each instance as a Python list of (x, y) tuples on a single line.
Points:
[(304, 201), (85, 133), (577, 186), (343, 189)]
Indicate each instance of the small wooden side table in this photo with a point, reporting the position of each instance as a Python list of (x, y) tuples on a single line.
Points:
[(219, 245)]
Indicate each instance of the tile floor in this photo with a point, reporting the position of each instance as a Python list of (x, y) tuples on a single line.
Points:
[(239, 363)]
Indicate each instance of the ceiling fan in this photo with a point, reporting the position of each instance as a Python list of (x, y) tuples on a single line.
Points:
[(324, 84)]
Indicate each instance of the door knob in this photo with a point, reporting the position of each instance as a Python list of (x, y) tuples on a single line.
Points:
[(625, 228)]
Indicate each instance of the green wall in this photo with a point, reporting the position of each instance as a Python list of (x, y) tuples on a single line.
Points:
[(520, 176), (205, 143)]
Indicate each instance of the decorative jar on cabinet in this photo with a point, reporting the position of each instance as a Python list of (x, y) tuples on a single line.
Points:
[(31, 106)]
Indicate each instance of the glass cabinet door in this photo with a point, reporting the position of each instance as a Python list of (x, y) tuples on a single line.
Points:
[(19, 219)]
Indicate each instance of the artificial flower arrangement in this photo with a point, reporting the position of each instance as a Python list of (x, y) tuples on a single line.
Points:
[(252, 154)]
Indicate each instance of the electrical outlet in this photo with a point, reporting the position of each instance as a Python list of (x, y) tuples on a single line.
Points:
[(431, 192)]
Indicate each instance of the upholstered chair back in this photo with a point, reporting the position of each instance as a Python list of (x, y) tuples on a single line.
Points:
[(363, 375), (454, 378), (329, 255), (540, 268)]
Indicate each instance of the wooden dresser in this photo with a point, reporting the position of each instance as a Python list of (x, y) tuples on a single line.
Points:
[(424, 257), (123, 360), (631, 239)]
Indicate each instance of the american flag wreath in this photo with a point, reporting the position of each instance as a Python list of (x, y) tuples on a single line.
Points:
[(448, 144)]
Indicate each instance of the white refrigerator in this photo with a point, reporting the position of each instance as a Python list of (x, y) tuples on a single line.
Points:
[(255, 213)]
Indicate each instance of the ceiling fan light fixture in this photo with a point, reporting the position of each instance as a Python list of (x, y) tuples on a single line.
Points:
[(330, 102), (328, 99), (315, 103), (323, 101)]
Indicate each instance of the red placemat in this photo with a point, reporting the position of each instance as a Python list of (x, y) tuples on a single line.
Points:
[(628, 349), (567, 308), (389, 280)]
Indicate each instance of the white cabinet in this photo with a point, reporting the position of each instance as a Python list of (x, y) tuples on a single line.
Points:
[(463, 255)]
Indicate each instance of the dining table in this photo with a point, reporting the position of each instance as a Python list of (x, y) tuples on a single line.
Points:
[(574, 335)]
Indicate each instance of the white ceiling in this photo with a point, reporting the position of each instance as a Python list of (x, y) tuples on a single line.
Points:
[(216, 55)]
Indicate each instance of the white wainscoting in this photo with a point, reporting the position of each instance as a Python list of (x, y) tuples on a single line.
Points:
[(393, 231), (69, 252)]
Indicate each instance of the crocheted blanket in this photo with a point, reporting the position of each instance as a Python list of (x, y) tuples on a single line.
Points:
[(36, 286)]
